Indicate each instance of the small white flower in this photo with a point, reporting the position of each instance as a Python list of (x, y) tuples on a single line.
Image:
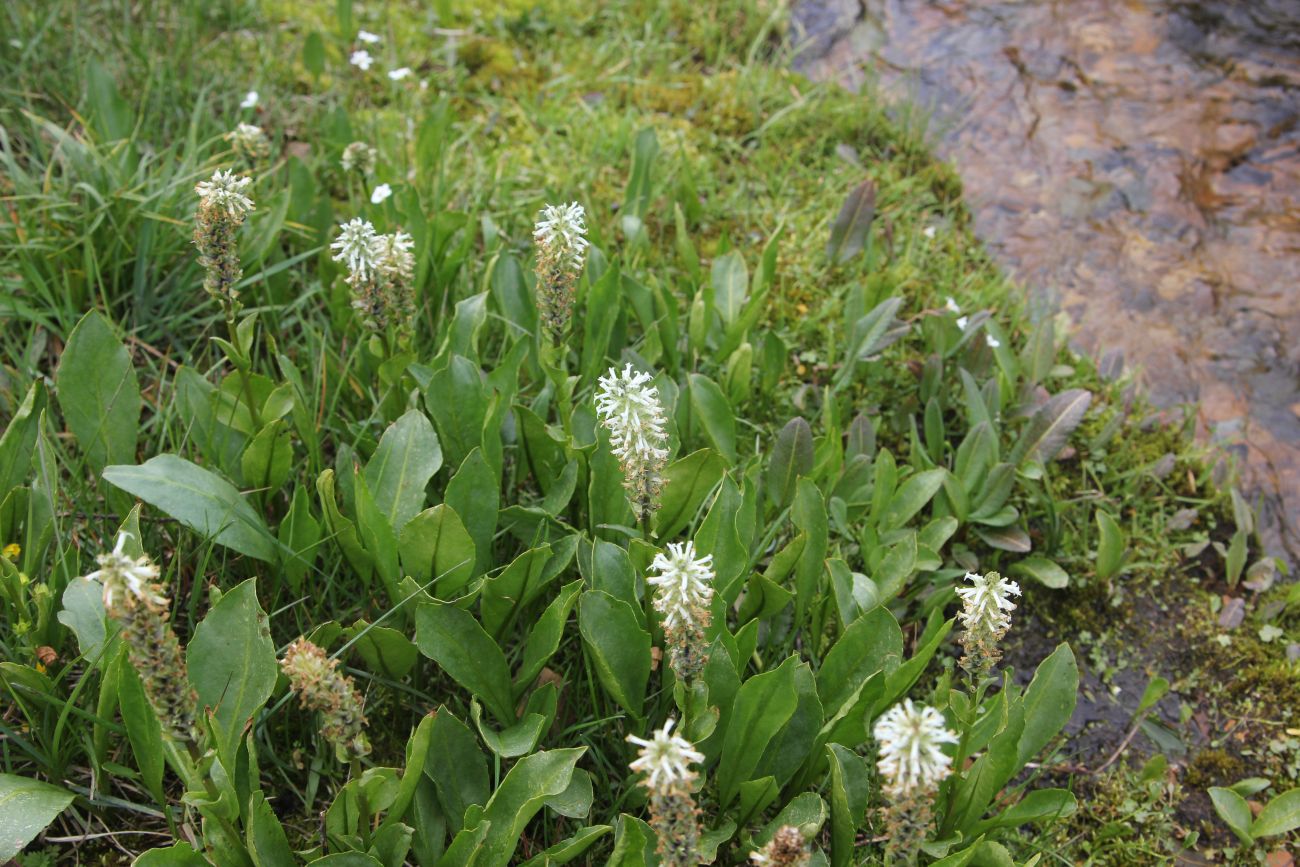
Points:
[(361, 59), (961, 322), (119, 572), (356, 246), (562, 229), (985, 604), (424, 84), (951, 305), (250, 99), (628, 405), (392, 253), (369, 38), (665, 758), (399, 73), (685, 584), (226, 192), (992, 341), (910, 756), (380, 193), (928, 231)]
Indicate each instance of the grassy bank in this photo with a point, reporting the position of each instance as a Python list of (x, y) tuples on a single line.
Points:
[(859, 411)]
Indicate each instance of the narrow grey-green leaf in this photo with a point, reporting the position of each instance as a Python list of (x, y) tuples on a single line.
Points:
[(849, 231)]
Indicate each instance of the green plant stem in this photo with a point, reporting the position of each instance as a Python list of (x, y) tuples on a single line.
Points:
[(363, 803), (245, 382)]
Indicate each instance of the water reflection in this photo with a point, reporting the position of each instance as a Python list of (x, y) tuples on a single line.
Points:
[(1136, 163)]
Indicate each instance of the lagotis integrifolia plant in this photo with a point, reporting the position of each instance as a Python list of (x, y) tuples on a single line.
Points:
[(223, 205), (628, 406), (359, 157), (787, 848), (133, 597), (683, 591), (560, 235), (249, 142), (985, 620), (381, 270), (666, 760), (320, 687), (913, 764)]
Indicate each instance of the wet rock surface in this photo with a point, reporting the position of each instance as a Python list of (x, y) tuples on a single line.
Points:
[(1135, 164)]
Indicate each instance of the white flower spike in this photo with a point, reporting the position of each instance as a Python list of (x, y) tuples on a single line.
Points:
[(910, 738), (361, 59), (250, 99), (369, 38), (951, 306), (399, 73), (380, 194), (356, 246), (962, 321), (665, 758), (628, 405), (986, 602), (225, 192), (684, 584), (117, 573), (992, 341), (563, 230)]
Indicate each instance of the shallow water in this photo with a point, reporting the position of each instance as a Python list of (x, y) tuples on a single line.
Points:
[(1136, 164)]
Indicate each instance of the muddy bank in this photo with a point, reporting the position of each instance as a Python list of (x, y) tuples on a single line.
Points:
[(1135, 164)]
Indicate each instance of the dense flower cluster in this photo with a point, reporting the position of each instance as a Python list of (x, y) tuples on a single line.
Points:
[(137, 602), (666, 761), (985, 619), (381, 272), (628, 406), (913, 764), (359, 157), (683, 592), (250, 142), (320, 687), (561, 238), (223, 206)]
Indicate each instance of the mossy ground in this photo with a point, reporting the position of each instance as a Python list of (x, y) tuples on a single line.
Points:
[(545, 101)]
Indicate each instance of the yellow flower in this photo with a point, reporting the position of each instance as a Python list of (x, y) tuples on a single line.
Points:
[(11, 551)]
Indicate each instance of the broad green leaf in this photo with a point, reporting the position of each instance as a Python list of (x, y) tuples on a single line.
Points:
[(566, 850), (300, 536), (687, 482), (711, 406), (452, 638), (231, 662), (407, 457), (1049, 701), (1110, 546), (763, 705), (199, 499), (544, 638), (98, 392), (417, 754), (313, 54), (347, 859), (792, 457), (26, 808), (386, 651), (1234, 811), (179, 855), (619, 648), (730, 280), (522, 793), (850, 790), (435, 544), (142, 727), (474, 493), (874, 642), (911, 498), (267, 842), (806, 811), (1039, 805), (83, 613), (457, 767), (1042, 570), (849, 231), (18, 444), (512, 741), (1280, 815), (1051, 426)]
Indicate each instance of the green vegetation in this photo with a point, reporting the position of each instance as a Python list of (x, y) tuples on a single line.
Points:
[(425, 491)]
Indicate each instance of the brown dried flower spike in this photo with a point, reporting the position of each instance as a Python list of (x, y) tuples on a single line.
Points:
[(320, 687)]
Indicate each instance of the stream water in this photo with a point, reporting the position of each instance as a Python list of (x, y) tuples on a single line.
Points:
[(1135, 163)]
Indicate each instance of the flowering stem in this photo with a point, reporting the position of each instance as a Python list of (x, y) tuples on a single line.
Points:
[(241, 365), (363, 804)]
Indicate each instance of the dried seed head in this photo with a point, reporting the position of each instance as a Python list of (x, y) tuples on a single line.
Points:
[(359, 157), (787, 848), (249, 141), (320, 687)]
